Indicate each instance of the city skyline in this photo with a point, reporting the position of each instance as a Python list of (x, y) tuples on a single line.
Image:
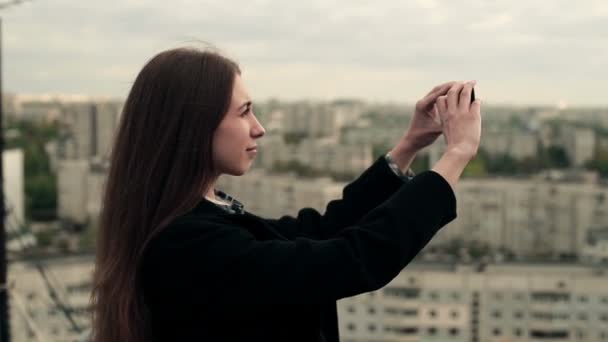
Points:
[(535, 53)]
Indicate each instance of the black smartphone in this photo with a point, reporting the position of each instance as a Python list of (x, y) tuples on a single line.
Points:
[(472, 95)]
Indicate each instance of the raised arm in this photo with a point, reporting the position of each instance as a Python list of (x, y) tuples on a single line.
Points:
[(374, 186), (377, 183), (222, 264)]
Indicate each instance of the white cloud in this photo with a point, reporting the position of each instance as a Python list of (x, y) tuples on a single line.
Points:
[(492, 22)]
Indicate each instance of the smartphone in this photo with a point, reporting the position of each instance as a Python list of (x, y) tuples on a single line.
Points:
[(472, 95)]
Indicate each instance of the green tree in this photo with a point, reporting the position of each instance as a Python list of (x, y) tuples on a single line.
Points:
[(476, 167), (379, 149), (501, 164), (420, 163), (40, 181), (294, 138), (555, 157), (599, 163)]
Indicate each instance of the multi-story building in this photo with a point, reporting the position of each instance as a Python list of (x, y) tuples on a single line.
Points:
[(9, 110), (595, 250), (510, 302), (90, 128), (282, 194), (425, 302), (579, 144), (530, 217), (79, 188), (316, 120), (14, 199), (324, 154), (517, 144), (42, 109)]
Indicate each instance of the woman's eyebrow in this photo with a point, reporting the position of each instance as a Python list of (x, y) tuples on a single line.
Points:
[(248, 103)]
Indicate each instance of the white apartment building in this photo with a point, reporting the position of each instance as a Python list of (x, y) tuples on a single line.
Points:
[(273, 196), (579, 144), (511, 302), (324, 154), (530, 217)]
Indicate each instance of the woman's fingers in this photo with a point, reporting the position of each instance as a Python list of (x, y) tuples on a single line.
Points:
[(436, 115), (453, 95), (442, 107), (442, 88), (476, 107), (464, 102), (431, 97)]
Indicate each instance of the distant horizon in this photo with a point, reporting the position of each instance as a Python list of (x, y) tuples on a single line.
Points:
[(85, 97)]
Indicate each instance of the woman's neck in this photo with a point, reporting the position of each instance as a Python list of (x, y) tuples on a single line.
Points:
[(211, 194)]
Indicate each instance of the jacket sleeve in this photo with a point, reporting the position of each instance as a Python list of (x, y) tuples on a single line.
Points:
[(226, 265), (370, 189)]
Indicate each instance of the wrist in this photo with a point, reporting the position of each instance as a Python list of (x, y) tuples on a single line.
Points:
[(402, 156), (451, 166), (405, 175), (406, 145), (460, 153)]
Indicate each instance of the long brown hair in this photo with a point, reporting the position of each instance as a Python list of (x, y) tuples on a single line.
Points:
[(160, 166)]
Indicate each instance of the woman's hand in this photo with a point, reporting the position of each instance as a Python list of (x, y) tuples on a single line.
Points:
[(461, 120), (425, 126)]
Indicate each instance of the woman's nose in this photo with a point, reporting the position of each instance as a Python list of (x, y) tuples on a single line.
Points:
[(258, 130)]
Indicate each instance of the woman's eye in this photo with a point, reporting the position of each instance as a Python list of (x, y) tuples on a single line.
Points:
[(246, 111)]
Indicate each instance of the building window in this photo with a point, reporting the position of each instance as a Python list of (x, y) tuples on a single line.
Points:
[(454, 314), (432, 331), (402, 292), (434, 295), (604, 317), (496, 314), (433, 313), (497, 332), (498, 296), (455, 295), (371, 327), (352, 327), (371, 310), (582, 299), (454, 331), (351, 309), (518, 314), (582, 316), (517, 332)]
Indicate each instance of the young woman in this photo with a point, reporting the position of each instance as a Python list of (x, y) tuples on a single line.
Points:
[(179, 260)]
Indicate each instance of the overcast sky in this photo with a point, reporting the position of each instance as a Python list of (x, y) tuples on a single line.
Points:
[(520, 52)]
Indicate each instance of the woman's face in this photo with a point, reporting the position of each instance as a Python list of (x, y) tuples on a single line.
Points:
[(236, 133)]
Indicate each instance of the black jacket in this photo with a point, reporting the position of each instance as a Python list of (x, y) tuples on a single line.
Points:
[(216, 276)]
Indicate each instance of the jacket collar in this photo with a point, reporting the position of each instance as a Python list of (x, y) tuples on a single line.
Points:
[(232, 207)]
